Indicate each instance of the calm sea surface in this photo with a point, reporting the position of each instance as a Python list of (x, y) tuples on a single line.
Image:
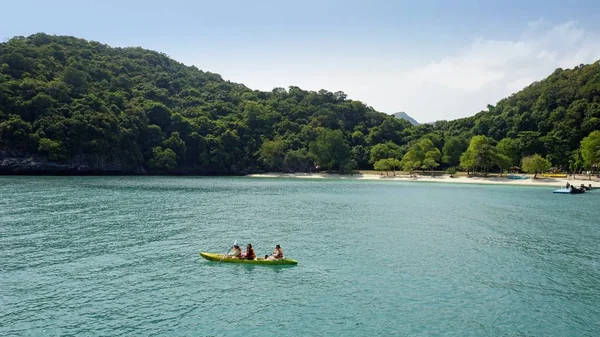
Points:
[(111, 256)]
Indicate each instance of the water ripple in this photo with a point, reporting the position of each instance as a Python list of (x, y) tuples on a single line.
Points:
[(118, 256)]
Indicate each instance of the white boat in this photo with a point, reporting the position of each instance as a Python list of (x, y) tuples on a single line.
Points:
[(571, 190)]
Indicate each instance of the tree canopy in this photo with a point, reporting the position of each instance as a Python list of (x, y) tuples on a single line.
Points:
[(535, 164), (65, 98), (71, 100), (590, 150)]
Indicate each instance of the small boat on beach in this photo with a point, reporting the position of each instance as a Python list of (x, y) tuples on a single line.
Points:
[(231, 259), (519, 177)]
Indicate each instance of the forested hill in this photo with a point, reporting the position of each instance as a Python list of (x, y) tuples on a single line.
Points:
[(550, 117), (86, 106), (68, 105)]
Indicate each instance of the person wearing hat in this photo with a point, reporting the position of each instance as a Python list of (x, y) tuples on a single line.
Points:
[(237, 251)]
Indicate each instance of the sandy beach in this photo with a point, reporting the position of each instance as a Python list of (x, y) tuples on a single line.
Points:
[(492, 180)]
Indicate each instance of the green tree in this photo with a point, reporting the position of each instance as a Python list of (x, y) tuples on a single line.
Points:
[(384, 151), (481, 154), (395, 164), (40, 104), (590, 150), (163, 159), (509, 148), (423, 155), (54, 150), (349, 167), (176, 144), (413, 159), (432, 154), (15, 133), (387, 164), (272, 154), (297, 161), (382, 165), (468, 161), (453, 148), (503, 162), (158, 114), (77, 79), (360, 154), (535, 164), (330, 150), (575, 161)]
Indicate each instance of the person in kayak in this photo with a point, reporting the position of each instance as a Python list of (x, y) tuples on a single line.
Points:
[(249, 254), (237, 251), (277, 254)]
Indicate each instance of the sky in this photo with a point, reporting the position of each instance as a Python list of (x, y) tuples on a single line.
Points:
[(434, 60)]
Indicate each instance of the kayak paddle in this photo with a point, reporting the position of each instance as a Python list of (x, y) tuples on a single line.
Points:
[(235, 243)]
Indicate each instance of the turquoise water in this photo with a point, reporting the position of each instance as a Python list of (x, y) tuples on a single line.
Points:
[(97, 256)]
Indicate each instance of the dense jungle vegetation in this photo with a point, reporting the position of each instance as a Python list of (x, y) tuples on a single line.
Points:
[(66, 100)]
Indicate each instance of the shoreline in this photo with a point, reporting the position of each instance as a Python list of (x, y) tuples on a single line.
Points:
[(541, 181)]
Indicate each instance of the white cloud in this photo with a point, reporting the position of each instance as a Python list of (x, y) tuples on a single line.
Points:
[(488, 70)]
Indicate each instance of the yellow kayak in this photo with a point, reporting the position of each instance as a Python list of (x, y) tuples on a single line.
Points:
[(554, 175), (260, 260)]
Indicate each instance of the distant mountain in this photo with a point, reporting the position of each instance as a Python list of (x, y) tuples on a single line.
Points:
[(404, 116)]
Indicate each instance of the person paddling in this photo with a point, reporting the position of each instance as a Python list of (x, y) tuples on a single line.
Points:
[(237, 251), (277, 254), (249, 254)]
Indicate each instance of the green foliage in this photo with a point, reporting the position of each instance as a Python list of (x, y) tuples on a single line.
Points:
[(272, 155), (535, 164), (54, 150), (163, 159), (298, 161), (509, 148), (349, 167), (413, 159), (575, 161), (453, 148), (590, 150), (422, 154), (15, 133), (482, 154), (432, 154), (121, 104), (550, 117), (387, 164), (384, 151), (63, 97), (330, 150), (76, 79), (158, 114), (176, 144), (360, 155), (451, 171)]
